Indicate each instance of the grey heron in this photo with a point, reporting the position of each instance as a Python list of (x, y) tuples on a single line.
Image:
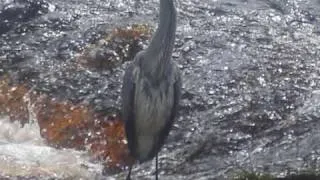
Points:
[(151, 91)]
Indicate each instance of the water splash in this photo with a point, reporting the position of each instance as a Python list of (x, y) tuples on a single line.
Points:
[(24, 153)]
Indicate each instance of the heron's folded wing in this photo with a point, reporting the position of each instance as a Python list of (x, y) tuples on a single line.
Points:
[(128, 89), (173, 111)]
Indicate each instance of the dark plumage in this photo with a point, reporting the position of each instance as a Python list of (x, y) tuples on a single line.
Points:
[(151, 91)]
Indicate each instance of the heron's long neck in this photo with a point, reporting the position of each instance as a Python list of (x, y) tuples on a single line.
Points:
[(160, 49)]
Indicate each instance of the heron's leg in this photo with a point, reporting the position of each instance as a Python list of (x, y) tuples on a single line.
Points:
[(129, 174), (157, 166)]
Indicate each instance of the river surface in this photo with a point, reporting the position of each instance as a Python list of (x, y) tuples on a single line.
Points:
[(251, 84)]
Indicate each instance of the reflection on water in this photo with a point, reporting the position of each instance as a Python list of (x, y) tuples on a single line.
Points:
[(24, 153)]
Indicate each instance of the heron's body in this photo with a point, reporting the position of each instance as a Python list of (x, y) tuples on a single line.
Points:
[(153, 105), (151, 90)]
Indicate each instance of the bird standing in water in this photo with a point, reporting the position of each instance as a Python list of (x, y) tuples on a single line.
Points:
[(151, 91)]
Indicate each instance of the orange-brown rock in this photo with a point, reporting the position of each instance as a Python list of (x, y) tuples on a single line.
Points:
[(133, 32), (117, 47), (110, 143), (12, 100), (63, 124), (67, 125)]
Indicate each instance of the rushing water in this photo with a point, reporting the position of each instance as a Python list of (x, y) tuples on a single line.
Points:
[(251, 84), (24, 153)]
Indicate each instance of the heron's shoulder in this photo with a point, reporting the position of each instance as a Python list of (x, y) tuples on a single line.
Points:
[(133, 71), (134, 65), (175, 71), (139, 57)]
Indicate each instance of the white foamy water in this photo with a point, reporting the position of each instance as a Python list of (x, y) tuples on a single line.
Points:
[(24, 153)]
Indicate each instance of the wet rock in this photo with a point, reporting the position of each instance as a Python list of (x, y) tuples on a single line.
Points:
[(300, 177), (250, 72), (13, 101), (65, 125), (26, 178), (303, 176), (20, 11), (114, 49)]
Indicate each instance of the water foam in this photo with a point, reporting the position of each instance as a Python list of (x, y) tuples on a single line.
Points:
[(24, 153)]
